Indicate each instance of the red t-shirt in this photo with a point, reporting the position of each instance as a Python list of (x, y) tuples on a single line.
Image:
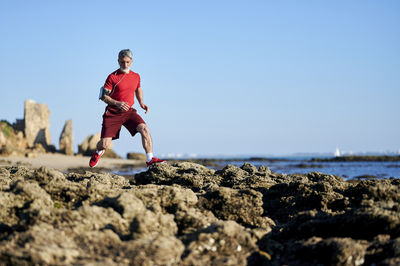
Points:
[(123, 86)]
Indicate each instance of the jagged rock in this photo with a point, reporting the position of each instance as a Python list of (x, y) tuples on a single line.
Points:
[(331, 251), (11, 140), (89, 144), (19, 125), (28, 136), (110, 153), (383, 249), (66, 143), (181, 202), (136, 156), (11, 151), (185, 174), (246, 176), (37, 123), (159, 250), (3, 139), (4, 179), (22, 142), (242, 206), (9, 201), (45, 245), (38, 148), (222, 243), (185, 214)]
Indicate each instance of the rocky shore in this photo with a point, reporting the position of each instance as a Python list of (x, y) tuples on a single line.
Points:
[(186, 214)]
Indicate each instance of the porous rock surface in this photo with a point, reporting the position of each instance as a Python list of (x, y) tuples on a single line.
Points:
[(186, 214)]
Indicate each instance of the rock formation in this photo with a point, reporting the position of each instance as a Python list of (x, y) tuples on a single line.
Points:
[(88, 146), (186, 214), (14, 143), (37, 123), (67, 139), (10, 137), (136, 156)]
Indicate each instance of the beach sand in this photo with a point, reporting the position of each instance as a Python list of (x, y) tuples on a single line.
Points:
[(63, 162)]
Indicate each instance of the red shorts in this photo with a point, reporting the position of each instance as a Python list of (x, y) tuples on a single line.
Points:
[(114, 120)]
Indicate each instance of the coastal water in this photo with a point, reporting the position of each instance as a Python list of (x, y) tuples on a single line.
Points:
[(347, 170), (290, 165)]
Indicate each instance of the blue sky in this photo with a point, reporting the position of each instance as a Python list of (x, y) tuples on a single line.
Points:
[(219, 77)]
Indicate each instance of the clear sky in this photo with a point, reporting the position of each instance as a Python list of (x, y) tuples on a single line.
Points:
[(219, 77)]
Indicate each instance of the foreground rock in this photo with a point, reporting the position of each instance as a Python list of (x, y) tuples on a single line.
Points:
[(186, 214)]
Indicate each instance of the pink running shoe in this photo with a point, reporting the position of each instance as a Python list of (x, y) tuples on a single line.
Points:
[(95, 158), (154, 160)]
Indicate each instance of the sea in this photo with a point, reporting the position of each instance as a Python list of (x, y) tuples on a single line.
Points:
[(303, 165)]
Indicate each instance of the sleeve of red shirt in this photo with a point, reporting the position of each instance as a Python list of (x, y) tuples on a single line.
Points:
[(138, 85), (109, 84)]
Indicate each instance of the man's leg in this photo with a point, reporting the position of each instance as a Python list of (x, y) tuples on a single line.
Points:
[(103, 144), (146, 138), (101, 147), (147, 144)]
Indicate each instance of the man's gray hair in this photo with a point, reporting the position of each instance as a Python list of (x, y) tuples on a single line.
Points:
[(125, 52)]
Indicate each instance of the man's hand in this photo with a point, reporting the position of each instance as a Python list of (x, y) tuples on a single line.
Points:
[(122, 106), (144, 107), (139, 97)]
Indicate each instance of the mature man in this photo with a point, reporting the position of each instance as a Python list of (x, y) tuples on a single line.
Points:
[(119, 93)]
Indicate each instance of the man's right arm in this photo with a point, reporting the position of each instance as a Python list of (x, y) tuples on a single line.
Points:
[(106, 91), (105, 96), (110, 101)]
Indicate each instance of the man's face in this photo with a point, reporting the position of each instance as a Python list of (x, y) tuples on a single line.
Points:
[(125, 63)]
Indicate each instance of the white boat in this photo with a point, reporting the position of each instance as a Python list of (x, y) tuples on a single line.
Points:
[(337, 152)]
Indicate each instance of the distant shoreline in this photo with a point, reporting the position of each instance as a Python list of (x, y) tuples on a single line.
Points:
[(345, 158), (360, 158)]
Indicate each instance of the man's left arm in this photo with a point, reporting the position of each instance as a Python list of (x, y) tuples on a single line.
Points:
[(139, 97)]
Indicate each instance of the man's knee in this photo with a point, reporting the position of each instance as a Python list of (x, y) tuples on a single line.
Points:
[(142, 129)]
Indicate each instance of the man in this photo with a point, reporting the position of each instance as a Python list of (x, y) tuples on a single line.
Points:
[(119, 93)]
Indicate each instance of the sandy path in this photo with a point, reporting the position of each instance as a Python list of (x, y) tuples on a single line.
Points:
[(63, 162)]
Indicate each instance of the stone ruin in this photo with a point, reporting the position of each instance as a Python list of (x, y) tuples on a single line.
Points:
[(31, 135), (66, 143), (27, 136), (37, 124)]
